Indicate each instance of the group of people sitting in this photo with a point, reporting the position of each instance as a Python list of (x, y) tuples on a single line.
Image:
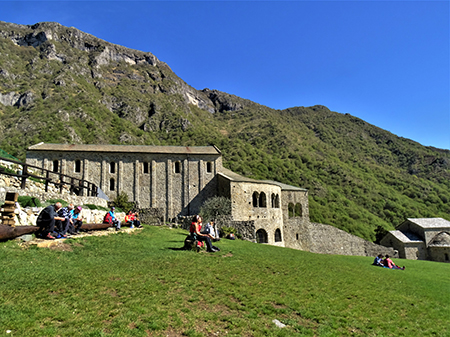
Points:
[(131, 219), (205, 233), (56, 222), (386, 262)]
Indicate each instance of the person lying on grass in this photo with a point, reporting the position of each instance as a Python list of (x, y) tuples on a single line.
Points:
[(388, 263), (195, 229)]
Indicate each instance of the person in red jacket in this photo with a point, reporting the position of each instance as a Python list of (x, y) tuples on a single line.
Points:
[(195, 229)]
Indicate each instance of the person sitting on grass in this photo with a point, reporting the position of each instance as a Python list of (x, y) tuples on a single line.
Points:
[(46, 220), (210, 229), (133, 220), (77, 220), (378, 260), (195, 229), (110, 218), (388, 263)]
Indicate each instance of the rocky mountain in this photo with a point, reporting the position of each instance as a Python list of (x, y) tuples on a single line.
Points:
[(61, 85)]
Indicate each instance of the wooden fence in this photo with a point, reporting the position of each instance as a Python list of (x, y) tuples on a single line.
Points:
[(77, 186)]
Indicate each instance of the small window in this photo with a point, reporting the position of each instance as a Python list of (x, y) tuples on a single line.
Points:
[(55, 166), (277, 201), (145, 168), (77, 166), (278, 235), (112, 167), (298, 210), (112, 184), (446, 257), (209, 167), (177, 167), (296, 235), (255, 199), (262, 200), (291, 210)]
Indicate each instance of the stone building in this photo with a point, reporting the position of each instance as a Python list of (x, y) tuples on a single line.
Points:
[(175, 181), (421, 239)]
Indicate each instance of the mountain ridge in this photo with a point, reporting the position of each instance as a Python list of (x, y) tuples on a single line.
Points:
[(61, 85)]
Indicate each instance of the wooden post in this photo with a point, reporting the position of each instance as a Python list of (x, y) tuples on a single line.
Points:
[(24, 177)]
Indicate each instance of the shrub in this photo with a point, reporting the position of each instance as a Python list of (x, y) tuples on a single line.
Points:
[(215, 207), (27, 201), (122, 204), (54, 201)]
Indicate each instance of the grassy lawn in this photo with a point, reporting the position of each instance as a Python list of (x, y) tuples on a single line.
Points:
[(140, 285)]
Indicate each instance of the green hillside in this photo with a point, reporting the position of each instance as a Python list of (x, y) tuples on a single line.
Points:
[(141, 285), (60, 85)]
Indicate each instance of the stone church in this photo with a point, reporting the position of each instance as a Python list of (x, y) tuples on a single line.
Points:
[(177, 180)]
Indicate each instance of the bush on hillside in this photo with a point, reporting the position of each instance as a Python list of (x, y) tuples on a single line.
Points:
[(27, 201)]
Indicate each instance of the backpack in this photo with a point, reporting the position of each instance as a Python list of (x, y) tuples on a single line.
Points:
[(108, 218)]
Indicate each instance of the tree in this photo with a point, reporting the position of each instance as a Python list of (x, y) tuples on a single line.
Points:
[(215, 207)]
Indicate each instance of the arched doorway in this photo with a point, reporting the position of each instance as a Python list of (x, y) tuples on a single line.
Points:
[(261, 236)]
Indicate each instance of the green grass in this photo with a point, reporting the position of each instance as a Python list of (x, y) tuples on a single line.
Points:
[(139, 285)]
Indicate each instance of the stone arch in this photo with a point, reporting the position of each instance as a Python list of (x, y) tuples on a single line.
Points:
[(261, 236), (291, 210), (255, 198), (278, 237), (262, 200), (298, 211)]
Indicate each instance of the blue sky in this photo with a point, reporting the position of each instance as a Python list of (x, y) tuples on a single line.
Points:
[(386, 62)]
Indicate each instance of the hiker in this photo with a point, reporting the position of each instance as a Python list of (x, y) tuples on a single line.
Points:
[(111, 219), (62, 226), (378, 260), (77, 220), (197, 235), (388, 263), (133, 219), (210, 229), (46, 220)]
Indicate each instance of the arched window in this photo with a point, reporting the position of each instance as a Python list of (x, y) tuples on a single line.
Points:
[(209, 167), (112, 167), (278, 235), (77, 166), (277, 201), (177, 167), (291, 210), (55, 166), (255, 199), (273, 200), (145, 168), (112, 184), (262, 200), (298, 210), (261, 236)]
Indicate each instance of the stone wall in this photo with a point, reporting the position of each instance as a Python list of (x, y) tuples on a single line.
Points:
[(326, 239)]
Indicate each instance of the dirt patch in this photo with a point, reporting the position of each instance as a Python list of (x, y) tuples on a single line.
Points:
[(227, 255), (61, 247)]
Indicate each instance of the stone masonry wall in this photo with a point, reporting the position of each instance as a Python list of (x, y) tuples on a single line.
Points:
[(326, 239)]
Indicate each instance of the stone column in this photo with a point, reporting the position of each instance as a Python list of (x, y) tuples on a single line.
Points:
[(153, 184), (104, 170), (63, 169), (119, 176), (201, 180), (136, 181), (185, 182), (169, 189)]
